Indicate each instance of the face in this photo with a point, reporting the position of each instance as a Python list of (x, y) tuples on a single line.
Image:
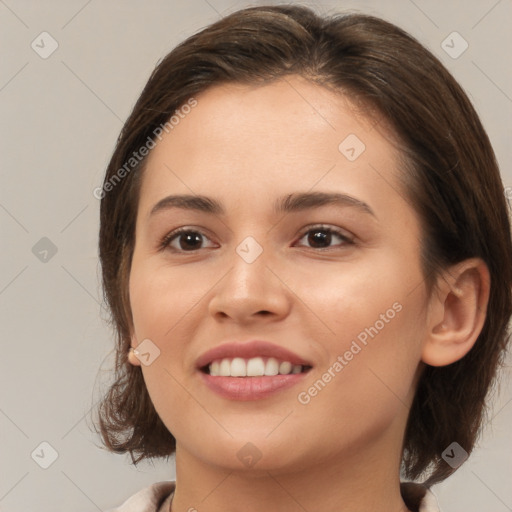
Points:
[(306, 243)]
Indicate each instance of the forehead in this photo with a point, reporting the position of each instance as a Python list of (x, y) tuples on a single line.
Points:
[(283, 114), (262, 139)]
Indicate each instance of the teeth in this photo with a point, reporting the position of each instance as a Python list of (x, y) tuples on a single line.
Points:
[(215, 368), (272, 367), (254, 367), (225, 367), (285, 367), (238, 367)]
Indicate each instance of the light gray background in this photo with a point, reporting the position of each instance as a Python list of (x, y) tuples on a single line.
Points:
[(60, 120)]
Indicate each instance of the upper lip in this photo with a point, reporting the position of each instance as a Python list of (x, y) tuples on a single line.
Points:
[(247, 350)]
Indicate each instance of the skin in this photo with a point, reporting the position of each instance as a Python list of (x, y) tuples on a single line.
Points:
[(246, 146)]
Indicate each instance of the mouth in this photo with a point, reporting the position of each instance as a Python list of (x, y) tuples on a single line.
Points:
[(251, 371), (252, 367)]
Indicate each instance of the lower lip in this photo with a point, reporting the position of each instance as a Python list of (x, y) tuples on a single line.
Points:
[(250, 388)]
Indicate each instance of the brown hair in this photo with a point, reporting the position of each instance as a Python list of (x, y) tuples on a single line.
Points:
[(449, 171)]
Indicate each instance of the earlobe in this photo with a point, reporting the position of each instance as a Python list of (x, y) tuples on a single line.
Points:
[(457, 312), (132, 353)]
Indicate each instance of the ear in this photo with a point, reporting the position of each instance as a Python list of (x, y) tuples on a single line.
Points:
[(132, 354), (457, 312)]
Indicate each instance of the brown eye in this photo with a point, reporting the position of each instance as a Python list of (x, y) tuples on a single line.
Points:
[(183, 240), (321, 237), (189, 240)]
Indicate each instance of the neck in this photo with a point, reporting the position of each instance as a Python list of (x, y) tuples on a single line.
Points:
[(356, 481)]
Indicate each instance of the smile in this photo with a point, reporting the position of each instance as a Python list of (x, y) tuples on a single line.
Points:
[(253, 367)]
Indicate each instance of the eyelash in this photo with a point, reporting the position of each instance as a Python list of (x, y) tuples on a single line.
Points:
[(167, 239)]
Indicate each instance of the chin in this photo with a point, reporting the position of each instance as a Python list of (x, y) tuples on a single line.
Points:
[(248, 453)]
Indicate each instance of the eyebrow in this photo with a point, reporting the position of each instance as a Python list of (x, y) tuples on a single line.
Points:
[(298, 201)]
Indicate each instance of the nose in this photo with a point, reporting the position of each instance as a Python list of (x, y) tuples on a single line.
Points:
[(251, 291)]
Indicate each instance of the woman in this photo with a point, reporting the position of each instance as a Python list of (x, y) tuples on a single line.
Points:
[(306, 250)]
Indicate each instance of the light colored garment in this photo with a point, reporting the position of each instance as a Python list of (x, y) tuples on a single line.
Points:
[(155, 498), (158, 497)]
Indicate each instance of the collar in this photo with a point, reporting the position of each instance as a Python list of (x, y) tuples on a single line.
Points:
[(158, 498)]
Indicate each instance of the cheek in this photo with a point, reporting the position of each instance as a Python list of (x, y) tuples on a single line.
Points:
[(158, 308), (376, 318), (366, 295), (364, 389), (161, 299)]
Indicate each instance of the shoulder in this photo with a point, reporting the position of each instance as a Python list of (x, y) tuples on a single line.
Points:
[(418, 498), (154, 498)]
